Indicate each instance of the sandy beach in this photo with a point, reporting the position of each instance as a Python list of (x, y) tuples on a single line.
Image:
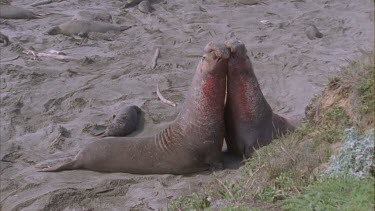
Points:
[(51, 108)]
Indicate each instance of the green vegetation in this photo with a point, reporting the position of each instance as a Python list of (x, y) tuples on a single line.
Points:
[(366, 92), (191, 202), (340, 193), (288, 172), (355, 157)]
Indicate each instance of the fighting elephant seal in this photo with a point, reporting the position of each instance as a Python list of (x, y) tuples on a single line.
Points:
[(76, 27), (192, 143), (249, 120), (12, 12), (124, 123)]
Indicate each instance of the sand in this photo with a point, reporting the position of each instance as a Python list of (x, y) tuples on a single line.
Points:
[(50, 108)]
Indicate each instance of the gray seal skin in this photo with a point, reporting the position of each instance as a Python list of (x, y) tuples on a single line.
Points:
[(76, 27), (125, 122), (131, 3), (93, 16), (4, 39), (249, 120), (312, 32), (192, 143), (145, 6), (12, 12)]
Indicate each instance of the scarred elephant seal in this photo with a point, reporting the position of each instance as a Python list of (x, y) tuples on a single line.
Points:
[(192, 143), (249, 120)]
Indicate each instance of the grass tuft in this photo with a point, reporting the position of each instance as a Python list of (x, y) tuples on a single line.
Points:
[(339, 193)]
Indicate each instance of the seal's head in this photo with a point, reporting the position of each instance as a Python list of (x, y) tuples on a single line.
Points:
[(239, 57), (54, 31), (214, 59), (136, 108)]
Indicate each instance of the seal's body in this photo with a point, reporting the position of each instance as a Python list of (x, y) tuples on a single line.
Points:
[(250, 122), (12, 12), (102, 16), (192, 143), (76, 27), (4, 39), (124, 123)]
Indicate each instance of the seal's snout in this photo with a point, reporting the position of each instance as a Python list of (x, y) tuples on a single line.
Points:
[(220, 50), (236, 46), (54, 31)]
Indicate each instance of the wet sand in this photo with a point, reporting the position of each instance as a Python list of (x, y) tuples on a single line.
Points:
[(50, 108)]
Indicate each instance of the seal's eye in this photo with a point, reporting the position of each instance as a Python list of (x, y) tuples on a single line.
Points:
[(203, 58)]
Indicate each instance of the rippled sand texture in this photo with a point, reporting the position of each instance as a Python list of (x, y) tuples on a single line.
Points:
[(50, 107)]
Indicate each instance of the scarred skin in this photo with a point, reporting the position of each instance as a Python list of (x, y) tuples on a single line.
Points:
[(192, 143), (249, 120)]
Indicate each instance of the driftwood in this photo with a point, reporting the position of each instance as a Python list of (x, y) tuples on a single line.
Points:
[(163, 98), (51, 54), (155, 58)]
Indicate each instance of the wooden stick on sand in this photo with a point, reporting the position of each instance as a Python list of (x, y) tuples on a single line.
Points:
[(51, 54), (163, 98), (155, 58)]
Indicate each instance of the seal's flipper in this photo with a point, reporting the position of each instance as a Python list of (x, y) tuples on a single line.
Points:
[(100, 134), (123, 28), (57, 165)]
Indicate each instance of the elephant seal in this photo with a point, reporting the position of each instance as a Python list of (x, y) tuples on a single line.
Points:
[(145, 6), (124, 123), (76, 27), (12, 12), (93, 16), (192, 143), (312, 32), (4, 39), (131, 3), (249, 120)]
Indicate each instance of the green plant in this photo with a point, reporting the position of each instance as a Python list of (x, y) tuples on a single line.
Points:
[(338, 193), (336, 115), (366, 92), (356, 155), (237, 208), (331, 129), (280, 189), (230, 191), (191, 202)]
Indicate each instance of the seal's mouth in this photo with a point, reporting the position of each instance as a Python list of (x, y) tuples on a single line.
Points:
[(236, 46), (220, 50), (53, 31)]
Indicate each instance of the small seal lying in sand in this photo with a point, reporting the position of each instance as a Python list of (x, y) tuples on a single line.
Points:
[(192, 143), (145, 6), (312, 32), (4, 39), (124, 123), (131, 3), (12, 12), (249, 2), (77, 27), (249, 120), (93, 16)]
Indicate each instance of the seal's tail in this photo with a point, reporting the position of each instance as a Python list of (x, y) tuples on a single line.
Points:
[(281, 126), (123, 28), (53, 166)]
